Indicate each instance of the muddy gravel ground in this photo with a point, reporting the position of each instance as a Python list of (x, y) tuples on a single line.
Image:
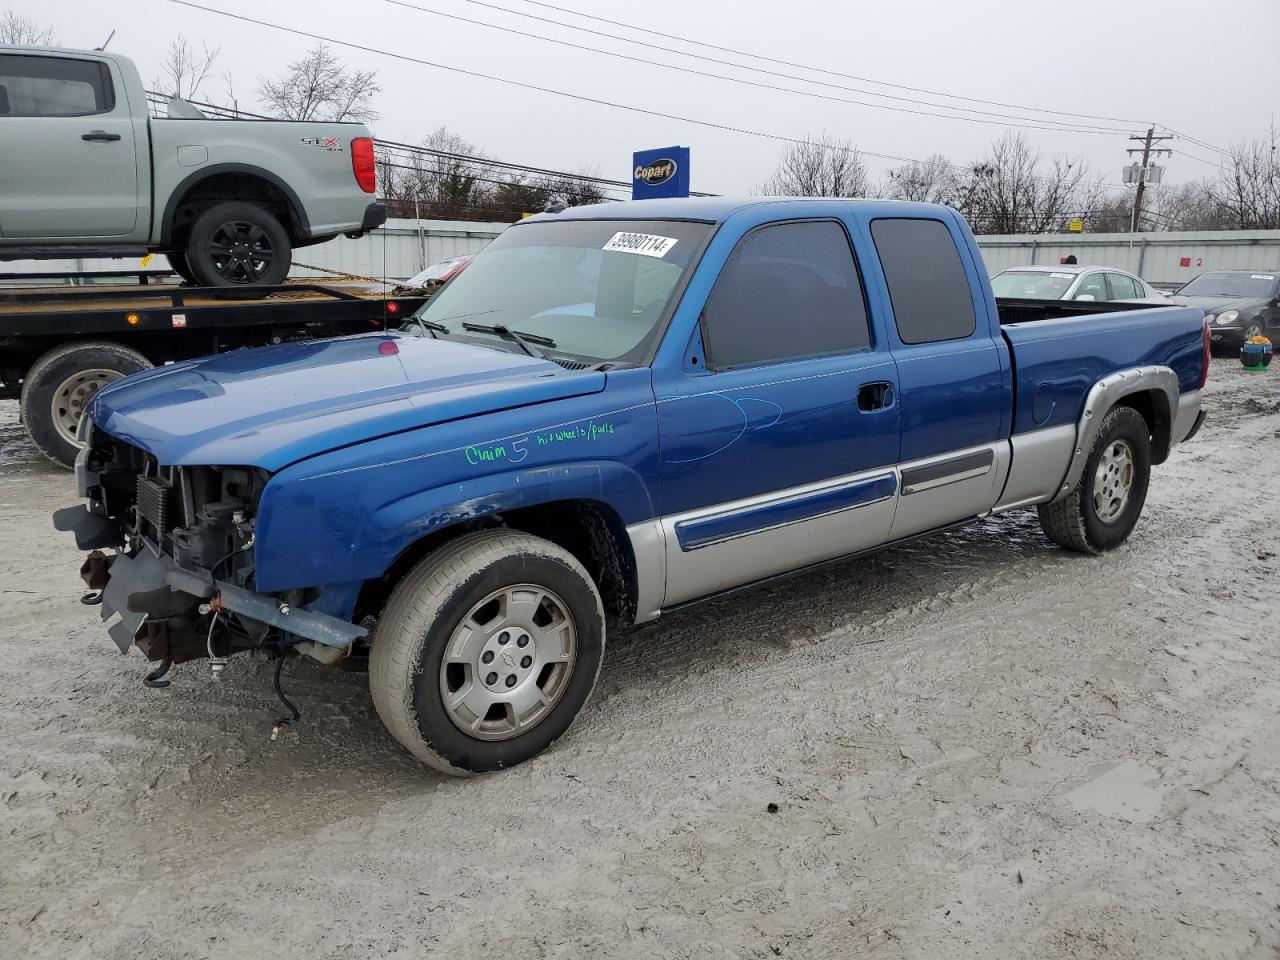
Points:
[(974, 746)]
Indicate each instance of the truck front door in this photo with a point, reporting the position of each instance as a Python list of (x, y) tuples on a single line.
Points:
[(68, 166), (780, 431)]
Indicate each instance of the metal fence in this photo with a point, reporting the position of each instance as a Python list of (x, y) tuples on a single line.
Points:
[(1165, 260), (396, 251)]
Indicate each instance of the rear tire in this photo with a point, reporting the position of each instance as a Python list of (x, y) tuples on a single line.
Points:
[(238, 246), (58, 388), (178, 261), (1103, 509), (486, 651)]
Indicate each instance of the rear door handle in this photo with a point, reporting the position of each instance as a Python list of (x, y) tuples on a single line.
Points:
[(100, 135), (875, 396)]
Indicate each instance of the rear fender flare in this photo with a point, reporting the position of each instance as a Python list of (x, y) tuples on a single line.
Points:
[(1159, 383)]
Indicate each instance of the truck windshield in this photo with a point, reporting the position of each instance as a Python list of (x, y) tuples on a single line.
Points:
[(594, 288), (1032, 284), (1230, 285)]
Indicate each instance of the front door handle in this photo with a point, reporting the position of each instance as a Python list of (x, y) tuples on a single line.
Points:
[(100, 135), (875, 396)]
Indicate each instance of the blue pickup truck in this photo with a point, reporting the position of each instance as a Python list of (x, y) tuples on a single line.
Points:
[(615, 411)]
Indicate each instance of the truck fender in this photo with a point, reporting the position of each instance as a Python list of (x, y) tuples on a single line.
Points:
[(296, 211), (1156, 384), (401, 523)]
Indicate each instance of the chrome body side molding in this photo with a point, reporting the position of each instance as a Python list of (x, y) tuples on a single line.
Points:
[(735, 543), (1185, 418), (650, 552), (942, 489), (1040, 460)]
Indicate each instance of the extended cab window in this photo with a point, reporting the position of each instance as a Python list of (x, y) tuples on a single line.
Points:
[(788, 290), (927, 283), (53, 87)]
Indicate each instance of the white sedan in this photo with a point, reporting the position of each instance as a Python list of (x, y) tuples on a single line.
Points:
[(1072, 282)]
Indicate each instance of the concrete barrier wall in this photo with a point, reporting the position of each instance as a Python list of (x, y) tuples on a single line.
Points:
[(1164, 259), (395, 251)]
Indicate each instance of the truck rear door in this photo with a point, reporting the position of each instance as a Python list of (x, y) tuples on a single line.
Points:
[(953, 368), (68, 164), (780, 432)]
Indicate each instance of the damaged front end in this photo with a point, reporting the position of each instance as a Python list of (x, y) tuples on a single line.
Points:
[(172, 561)]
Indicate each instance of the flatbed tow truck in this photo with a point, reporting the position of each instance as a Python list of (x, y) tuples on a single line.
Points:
[(64, 336)]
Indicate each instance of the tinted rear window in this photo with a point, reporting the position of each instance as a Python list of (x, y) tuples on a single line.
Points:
[(927, 283)]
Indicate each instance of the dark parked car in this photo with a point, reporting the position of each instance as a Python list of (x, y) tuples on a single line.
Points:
[(1238, 304)]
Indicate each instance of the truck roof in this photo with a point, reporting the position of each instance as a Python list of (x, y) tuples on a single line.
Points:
[(718, 209), (60, 51)]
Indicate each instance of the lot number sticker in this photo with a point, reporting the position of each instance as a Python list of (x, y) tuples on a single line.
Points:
[(645, 244)]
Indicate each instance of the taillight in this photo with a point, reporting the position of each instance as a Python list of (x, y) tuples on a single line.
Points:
[(362, 164), (1204, 360)]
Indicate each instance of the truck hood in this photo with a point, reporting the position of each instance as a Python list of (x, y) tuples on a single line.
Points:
[(273, 406)]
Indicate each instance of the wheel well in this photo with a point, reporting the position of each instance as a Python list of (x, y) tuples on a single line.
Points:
[(1153, 406), (225, 187), (588, 529)]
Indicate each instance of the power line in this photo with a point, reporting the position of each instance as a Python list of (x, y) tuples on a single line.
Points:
[(1200, 143), (1019, 121), (801, 66), (581, 98), (788, 63)]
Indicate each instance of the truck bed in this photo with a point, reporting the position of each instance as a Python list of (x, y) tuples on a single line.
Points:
[(1060, 350), (1016, 310)]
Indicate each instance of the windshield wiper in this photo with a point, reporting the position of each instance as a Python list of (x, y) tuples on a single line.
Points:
[(525, 341), (430, 325)]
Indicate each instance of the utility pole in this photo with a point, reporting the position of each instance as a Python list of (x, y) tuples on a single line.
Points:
[(1144, 172)]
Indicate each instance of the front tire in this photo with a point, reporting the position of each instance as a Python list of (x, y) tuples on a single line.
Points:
[(486, 651), (58, 388), (238, 245), (1103, 509)]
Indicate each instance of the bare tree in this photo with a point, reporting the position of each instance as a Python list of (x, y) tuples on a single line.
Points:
[(184, 68), (1248, 187), (453, 173), (932, 180), (20, 31), (1010, 190), (570, 190), (819, 167), (518, 196), (319, 87), (1189, 206)]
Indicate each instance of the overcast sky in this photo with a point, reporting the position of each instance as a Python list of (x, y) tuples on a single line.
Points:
[(1205, 69)]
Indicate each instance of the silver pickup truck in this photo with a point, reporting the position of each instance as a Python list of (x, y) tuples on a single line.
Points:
[(86, 171)]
